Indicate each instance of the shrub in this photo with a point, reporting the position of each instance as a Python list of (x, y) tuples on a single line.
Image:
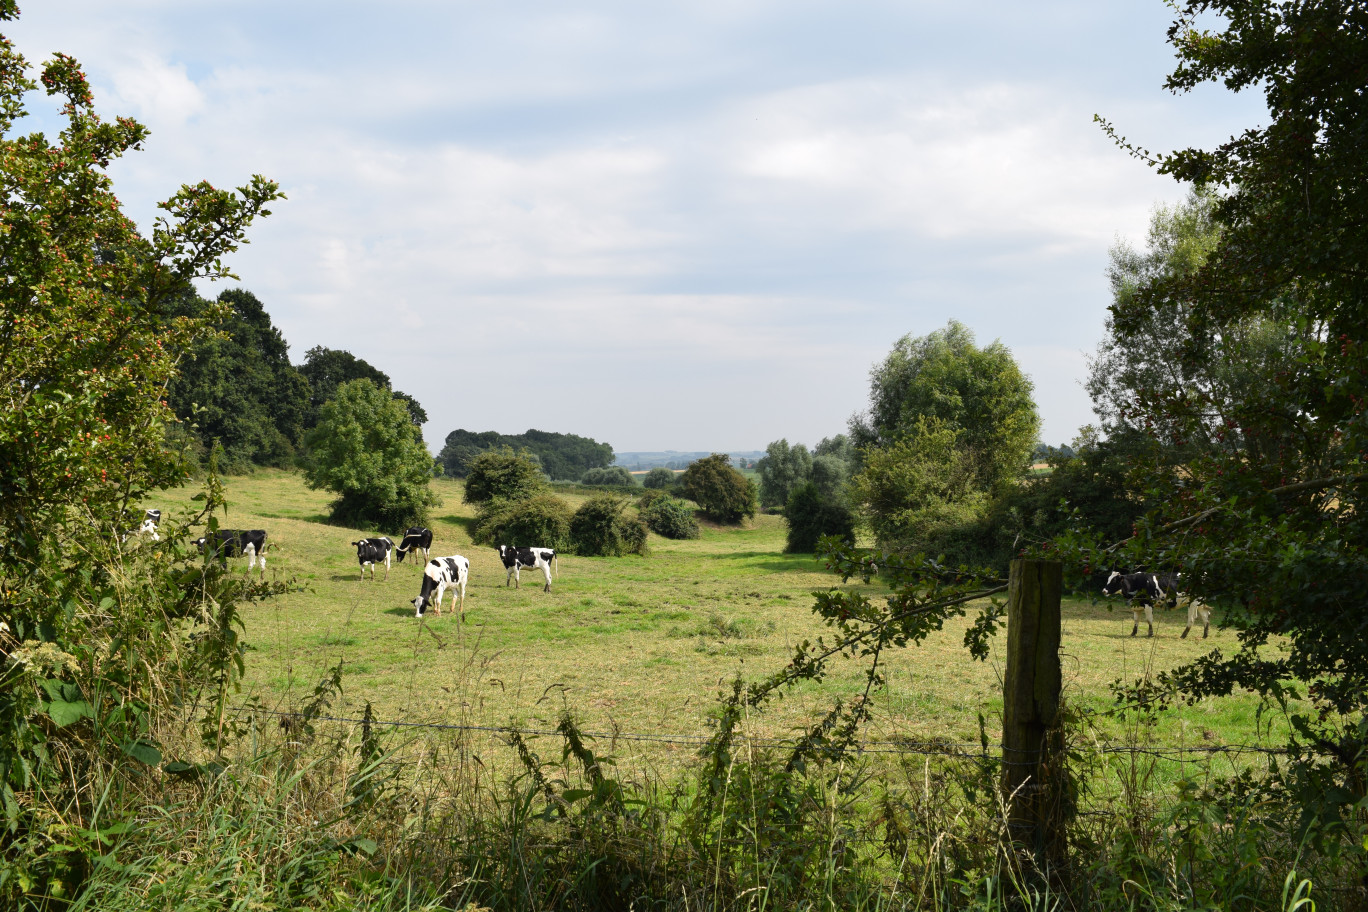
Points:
[(539, 521), (599, 527), (671, 518), (612, 475), (723, 493), (658, 478), (810, 515), (503, 475)]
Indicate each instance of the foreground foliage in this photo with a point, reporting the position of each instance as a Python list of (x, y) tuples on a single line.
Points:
[(1269, 334)]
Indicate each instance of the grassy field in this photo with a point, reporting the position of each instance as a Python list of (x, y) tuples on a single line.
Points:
[(637, 644)]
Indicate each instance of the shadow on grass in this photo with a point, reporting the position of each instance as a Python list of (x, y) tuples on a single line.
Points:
[(465, 522), (320, 518)]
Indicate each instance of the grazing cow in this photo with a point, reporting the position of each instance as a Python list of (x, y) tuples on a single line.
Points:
[(441, 574), (517, 558), (415, 539), (148, 527), (372, 551), (250, 543), (1140, 590)]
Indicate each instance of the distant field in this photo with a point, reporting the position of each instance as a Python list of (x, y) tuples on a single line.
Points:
[(636, 644)]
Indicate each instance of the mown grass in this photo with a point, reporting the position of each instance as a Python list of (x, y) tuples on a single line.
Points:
[(641, 644)]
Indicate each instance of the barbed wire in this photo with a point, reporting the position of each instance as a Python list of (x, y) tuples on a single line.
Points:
[(964, 750)]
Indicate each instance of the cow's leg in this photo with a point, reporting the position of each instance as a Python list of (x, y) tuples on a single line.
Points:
[(460, 590), (1149, 618), (546, 571), (387, 562), (1206, 621), (250, 553), (1192, 614), (1135, 621), (517, 574)]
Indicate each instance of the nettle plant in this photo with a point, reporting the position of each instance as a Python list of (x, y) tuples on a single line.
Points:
[(103, 643)]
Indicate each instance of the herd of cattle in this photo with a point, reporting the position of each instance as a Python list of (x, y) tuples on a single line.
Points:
[(442, 574)]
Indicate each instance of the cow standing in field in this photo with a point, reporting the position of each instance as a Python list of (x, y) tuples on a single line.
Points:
[(371, 551), (537, 558), (1139, 590), (226, 543), (441, 574), (415, 539)]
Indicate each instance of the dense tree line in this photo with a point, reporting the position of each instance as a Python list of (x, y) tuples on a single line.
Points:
[(561, 456), (236, 387)]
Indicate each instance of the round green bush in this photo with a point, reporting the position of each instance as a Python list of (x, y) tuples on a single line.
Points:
[(810, 516), (723, 493), (670, 518), (503, 475), (658, 478), (612, 475), (542, 521), (599, 527)]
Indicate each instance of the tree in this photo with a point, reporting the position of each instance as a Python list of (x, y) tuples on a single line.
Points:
[(1266, 516), (723, 493), (782, 469), (238, 386), (328, 368), (562, 456), (89, 337), (612, 475), (830, 474), (919, 487), (810, 514), (658, 478), (367, 450), (503, 475), (978, 393)]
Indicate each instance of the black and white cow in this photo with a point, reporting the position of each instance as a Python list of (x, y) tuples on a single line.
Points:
[(536, 558), (148, 528), (441, 574), (415, 539), (1139, 590), (250, 543), (371, 551)]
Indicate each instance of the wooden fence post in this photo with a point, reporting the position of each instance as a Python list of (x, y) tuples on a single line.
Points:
[(1032, 782)]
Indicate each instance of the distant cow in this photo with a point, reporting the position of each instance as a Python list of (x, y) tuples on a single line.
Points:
[(441, 574), (415, 539), (371, 551), (517, 558), (148, 527), (250, 543), (1139, 590)]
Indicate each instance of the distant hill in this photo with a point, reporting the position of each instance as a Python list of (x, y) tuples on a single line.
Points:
[(678, 459)]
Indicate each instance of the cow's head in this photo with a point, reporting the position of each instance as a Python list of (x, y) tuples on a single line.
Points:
[(1113, 583), (418, 605), (199, 542)]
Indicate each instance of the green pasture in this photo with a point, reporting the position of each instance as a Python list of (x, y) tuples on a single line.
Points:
[(639, 644)]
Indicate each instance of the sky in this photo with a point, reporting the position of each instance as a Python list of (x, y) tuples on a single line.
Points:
[(690, 226)]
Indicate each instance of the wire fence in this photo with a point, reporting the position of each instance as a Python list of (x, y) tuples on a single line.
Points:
[(937, 748)]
